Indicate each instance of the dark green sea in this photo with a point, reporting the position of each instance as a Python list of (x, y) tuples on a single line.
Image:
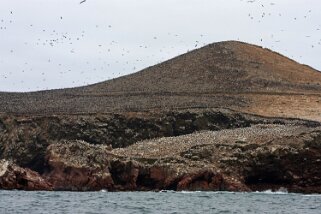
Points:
[(157, 202)]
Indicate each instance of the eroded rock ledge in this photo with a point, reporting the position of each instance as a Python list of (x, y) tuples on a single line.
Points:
[(242, 159)]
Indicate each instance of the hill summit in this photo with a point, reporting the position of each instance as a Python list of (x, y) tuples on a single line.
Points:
[(231, 74), (220, 67)]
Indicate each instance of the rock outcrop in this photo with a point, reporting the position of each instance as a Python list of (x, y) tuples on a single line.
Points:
[(254, 158), (15, 177), (245, 159), (24, 139), (78, 166)]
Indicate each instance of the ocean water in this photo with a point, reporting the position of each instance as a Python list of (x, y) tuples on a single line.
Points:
[(157, 202)]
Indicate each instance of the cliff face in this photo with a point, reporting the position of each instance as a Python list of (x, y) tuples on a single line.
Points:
[(179, 151), (217, 118), (255, 158), (24, 139), (243, 159)]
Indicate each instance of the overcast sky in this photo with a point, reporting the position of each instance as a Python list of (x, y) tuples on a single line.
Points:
[(46, 44)]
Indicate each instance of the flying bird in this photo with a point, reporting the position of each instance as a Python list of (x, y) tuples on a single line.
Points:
[(83, 1)]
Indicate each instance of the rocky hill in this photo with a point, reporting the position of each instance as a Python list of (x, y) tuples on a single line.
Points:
[(233, 75), (228, 116)]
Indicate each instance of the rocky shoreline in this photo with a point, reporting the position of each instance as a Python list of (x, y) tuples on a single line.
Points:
[(196, 150)]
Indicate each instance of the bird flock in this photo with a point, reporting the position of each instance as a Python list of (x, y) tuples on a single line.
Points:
[(77, 62)]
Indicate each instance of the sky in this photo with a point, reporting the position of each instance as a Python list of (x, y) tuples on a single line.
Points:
[(50, 44)]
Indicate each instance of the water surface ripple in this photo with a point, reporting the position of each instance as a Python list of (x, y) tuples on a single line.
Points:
[(157, 202)]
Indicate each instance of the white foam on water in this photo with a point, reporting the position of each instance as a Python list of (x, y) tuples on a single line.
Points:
[(280, 191), (167, 191), (312, 195), (189, 192)]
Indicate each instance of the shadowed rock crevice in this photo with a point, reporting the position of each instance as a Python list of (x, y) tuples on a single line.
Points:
[(294, 169), (267, 173), (124, 174)]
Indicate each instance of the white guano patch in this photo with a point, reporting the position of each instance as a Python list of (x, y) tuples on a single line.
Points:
[(3, 167)]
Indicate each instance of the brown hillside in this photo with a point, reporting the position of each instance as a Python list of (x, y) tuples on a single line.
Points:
[(231, 75), (220, 67)]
